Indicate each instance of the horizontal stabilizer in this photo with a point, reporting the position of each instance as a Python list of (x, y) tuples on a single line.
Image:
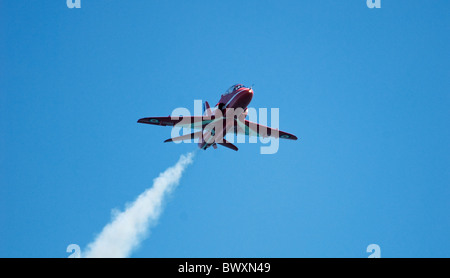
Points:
[(228, 145), (185, 137)]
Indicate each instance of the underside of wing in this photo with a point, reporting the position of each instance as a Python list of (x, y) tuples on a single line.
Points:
[(253, 129), (194, 122)]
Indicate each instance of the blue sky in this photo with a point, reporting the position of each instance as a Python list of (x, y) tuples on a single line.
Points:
[(365, 90)]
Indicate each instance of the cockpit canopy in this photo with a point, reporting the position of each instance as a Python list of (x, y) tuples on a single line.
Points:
[(233, 88)]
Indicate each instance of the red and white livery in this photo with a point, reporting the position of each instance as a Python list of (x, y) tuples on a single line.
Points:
[(227, 116)]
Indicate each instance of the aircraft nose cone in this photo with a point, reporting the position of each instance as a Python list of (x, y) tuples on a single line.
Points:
[(250, 94), (246, 98)]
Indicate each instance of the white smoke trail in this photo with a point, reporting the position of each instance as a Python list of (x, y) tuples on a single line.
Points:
[(128, 228)]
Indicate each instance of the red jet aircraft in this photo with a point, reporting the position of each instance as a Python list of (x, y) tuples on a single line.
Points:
[(229, 116)]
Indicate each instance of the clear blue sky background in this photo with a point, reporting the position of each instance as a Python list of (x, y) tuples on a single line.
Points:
[(365, 90)]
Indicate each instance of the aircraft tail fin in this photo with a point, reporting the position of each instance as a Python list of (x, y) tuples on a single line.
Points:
[(185, 137), (207, 109), (228, 145)]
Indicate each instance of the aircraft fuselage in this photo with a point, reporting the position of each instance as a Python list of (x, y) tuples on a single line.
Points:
[(233, 104)]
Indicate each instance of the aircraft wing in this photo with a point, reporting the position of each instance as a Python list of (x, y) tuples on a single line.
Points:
[(253, 129), (195, 122)]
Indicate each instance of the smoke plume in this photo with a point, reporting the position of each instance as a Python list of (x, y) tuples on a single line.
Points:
[(128, 228)]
